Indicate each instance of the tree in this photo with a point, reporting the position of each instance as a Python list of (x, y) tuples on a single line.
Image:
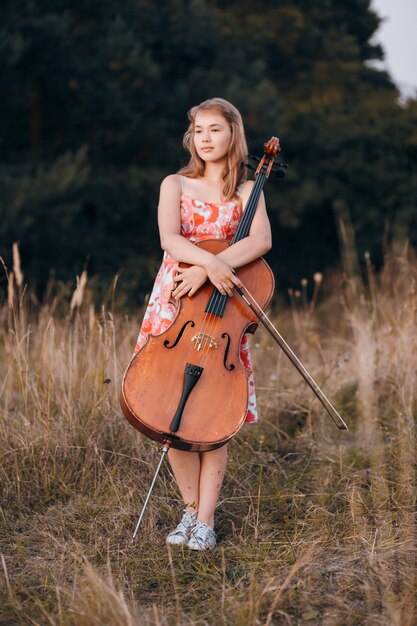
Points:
[(96, 111)]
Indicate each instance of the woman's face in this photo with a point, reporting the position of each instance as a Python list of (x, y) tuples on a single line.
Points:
[(212, 135)]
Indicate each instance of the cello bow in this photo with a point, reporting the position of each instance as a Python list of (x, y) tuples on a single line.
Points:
[(265, 167), (279, 339)]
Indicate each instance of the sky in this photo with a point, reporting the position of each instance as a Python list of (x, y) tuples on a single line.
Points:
[(397, 35)]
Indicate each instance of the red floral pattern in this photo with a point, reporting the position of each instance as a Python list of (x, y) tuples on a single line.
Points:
[(199, 220)]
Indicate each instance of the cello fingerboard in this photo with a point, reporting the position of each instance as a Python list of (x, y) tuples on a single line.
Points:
[(216, 304)]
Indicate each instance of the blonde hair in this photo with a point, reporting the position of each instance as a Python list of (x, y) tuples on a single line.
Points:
[(234, 172)]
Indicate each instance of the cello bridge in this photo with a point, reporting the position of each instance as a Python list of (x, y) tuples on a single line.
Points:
[(203, 340)]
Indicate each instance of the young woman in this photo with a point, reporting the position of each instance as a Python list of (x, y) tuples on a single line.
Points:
[(204, 200)]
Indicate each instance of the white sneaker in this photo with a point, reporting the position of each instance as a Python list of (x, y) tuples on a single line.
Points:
[(182, 532), (202, 537)]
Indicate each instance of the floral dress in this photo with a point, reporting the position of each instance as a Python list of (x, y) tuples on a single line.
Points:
[(199, 221)]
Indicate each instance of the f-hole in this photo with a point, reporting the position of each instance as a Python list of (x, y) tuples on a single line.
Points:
[(180, 334), (230, 367)]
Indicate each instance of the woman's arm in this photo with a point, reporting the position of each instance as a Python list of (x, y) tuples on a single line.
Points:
[(180, 249), (169, 222), (218, 268)]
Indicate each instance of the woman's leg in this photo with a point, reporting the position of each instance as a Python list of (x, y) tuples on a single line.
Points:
[(212, 470), (186, 469), (199, 477)]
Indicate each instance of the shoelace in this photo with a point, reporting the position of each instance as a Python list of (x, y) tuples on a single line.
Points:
[(186, 523), (201, 532)]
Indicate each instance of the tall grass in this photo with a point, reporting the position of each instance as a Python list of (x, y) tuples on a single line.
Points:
[(315, 526)]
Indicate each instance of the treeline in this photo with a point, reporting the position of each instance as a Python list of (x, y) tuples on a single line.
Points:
[(94, 106)]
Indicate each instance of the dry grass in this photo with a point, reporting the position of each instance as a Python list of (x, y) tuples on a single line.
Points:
[(314, 526)]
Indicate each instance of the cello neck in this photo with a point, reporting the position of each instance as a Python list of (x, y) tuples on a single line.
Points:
[(217, 302), (271, 148), (250, 210)]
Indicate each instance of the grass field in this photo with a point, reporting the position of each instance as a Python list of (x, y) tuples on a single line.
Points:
[(315, 526)]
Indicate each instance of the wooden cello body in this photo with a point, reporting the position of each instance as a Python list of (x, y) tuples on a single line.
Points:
[(187, 387), (216, 406)]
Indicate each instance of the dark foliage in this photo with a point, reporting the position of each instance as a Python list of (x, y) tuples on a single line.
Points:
[(95, 108)]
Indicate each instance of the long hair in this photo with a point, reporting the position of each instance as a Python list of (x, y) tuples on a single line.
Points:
[(234, 172)]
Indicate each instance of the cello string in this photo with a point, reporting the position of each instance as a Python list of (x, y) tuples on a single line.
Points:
[(203, 341), (201, 333), (242, 225), (213, 319), (201, 345), (247, 218), (207, 331), (204, 329), (194, 345), (208, 326), (257, 189), (209, 348), (212, 323)]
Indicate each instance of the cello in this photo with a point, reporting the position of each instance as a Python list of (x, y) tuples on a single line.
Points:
[(183, 382), (187, 387)]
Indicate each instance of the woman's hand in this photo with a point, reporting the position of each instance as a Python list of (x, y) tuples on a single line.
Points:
[(222, 276), (188, 280)]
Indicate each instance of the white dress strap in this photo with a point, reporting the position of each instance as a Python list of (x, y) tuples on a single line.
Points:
[(182, 183)]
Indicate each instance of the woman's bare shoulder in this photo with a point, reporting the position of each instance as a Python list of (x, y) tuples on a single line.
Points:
[(247, 185), (172, 182), (246, 188)]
